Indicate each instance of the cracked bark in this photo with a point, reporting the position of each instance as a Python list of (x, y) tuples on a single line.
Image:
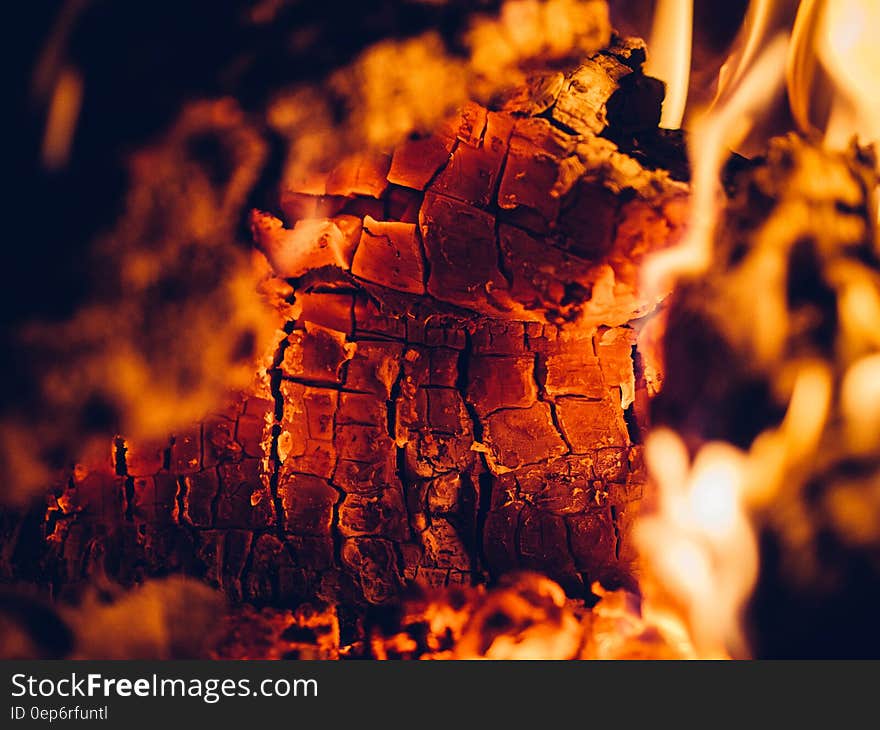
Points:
[(448, 404)]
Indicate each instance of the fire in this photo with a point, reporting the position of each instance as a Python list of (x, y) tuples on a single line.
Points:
[(832, 72), (670, 56), (860, 396), (699, 551), (764, 20), (833, 69), (61, 120), (831, 63), (699, 546), (713, 136)]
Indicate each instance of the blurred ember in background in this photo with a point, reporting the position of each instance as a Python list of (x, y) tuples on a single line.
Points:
[(386, 327)]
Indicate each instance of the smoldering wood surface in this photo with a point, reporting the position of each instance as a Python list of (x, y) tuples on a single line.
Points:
[(459, 395), (236, 59)]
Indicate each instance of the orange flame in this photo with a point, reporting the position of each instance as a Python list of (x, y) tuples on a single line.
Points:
[(61, 121), (833, 70)]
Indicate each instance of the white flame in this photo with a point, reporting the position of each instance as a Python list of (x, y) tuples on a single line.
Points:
[(700, 544), (833, 70), (835, 62), (669, 56), (860, 402)]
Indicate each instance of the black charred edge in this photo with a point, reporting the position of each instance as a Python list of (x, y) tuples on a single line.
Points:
[(483, 485), (275, 378)]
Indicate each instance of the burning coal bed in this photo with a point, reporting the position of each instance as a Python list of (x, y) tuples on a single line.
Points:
[(506, 365)]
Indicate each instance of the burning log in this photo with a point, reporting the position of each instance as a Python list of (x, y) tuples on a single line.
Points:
[(455, 397), (440, 450), (458, 392)]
